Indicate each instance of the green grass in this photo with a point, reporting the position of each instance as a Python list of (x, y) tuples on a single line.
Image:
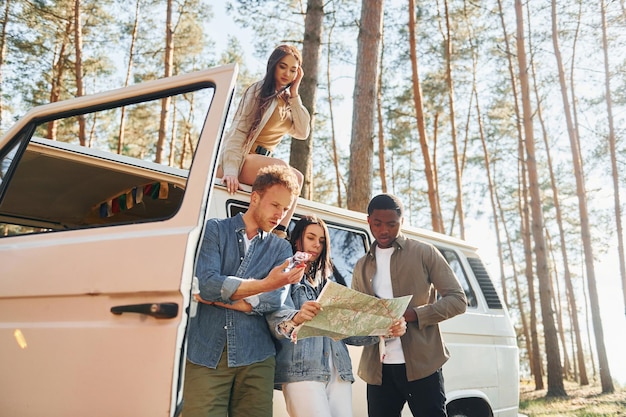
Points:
[(585, 401)]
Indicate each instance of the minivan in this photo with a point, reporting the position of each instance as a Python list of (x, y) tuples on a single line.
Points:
[(98, 245)]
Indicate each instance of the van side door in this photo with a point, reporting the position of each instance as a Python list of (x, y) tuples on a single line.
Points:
[(102, 203)]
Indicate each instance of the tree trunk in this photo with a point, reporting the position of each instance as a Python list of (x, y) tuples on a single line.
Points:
[(302, 151), (3, 38), (331, 115), (534, 355), (612, 147), (530, 330), (455, 150), (555, 372), (435, 209), (165, 103), (129, 69), (172, 154), (58, 69), (558, 306), (380, 119), (78, 65), (603, 362), (364, 99), (569, 289)]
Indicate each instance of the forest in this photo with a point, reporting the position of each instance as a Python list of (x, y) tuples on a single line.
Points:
[(494, 120)]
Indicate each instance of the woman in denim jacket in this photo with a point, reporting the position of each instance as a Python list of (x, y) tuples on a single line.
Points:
[(315, 374)]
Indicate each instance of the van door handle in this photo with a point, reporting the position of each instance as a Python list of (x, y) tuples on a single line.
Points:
[(156, 310)]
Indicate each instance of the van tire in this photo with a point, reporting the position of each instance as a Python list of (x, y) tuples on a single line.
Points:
[(469, 407)]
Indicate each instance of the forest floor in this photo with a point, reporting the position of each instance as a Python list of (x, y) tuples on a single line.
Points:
[(587, 401)]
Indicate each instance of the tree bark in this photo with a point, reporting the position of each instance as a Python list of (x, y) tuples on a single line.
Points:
[(455, 150), (612, 147), (603, 361), (301, 155), (129, 69), (555, 372), (364, 99), (380, 119), (78, 66), (534, 355), (435, 209), (569, 289), (331, 115), (530, 329), (3, 38), (168, 66), (58, 69)]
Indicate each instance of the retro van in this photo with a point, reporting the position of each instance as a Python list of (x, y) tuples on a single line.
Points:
[(98, 245)]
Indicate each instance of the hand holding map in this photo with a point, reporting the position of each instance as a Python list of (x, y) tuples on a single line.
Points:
[(346, 312)]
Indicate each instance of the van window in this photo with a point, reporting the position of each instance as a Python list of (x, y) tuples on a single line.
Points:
[(455, 263), (100, 168), (485, 283), (347, 244)]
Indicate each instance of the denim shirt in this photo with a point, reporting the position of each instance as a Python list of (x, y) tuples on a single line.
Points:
[(222, 265), (308, 360)]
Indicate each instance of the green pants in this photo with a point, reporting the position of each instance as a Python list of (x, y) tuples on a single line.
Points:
[(243, 391)]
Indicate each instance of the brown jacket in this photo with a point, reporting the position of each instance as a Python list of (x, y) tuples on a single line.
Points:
[(418, 269)]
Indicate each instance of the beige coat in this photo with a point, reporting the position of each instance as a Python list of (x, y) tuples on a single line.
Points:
[(234, 152)]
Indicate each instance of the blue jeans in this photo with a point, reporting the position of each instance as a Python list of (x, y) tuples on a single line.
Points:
[(426, 396)]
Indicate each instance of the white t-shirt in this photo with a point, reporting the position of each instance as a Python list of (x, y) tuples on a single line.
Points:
[(383, 289)]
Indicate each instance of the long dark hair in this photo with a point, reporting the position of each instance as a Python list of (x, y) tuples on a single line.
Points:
[(324, 263), (268, 87)]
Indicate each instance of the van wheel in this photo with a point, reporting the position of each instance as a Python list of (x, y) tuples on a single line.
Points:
[(469, 407)]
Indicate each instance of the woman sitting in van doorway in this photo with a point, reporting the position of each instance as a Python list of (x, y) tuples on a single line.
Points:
[(314, 374), (268, 110)]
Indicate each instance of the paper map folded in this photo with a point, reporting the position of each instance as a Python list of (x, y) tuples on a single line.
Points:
[(346, 312)]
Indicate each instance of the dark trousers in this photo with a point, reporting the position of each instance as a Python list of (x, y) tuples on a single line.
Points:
[(426, 396)]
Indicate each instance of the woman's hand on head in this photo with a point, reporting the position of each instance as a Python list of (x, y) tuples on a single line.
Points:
[(295, 84), (231, 182)]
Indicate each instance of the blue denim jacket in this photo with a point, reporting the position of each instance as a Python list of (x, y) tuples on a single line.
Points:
[(307, 360), (221, 267)]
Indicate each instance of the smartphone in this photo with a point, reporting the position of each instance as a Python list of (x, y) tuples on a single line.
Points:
[(298, 259)]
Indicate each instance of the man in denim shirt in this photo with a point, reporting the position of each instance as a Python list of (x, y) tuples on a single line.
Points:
[(240, 269)]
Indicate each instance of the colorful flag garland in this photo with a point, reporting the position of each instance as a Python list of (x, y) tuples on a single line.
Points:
[(133, 197)]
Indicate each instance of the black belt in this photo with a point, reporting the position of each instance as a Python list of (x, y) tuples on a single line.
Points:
[(262, 151)]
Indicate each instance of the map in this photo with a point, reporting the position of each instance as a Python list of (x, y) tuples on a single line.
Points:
[(346, 312)]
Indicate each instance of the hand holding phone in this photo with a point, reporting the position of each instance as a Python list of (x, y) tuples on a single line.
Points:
[(298, 260)]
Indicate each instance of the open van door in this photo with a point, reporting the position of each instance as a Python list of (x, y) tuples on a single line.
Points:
[(102, 203)]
